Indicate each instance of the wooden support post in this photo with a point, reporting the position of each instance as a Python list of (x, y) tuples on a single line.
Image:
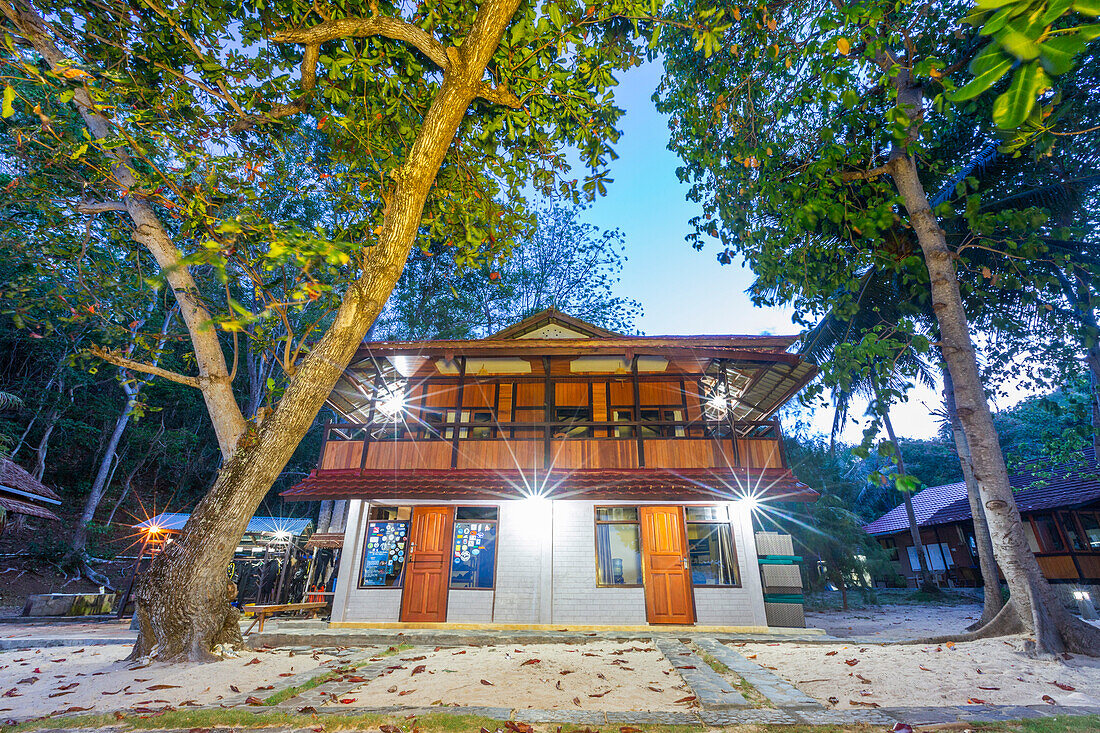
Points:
[(456, 431), (637, 410)]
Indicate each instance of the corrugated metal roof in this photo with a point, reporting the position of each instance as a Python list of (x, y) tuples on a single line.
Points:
[(173, 522), (1038, 487), (641, 484)]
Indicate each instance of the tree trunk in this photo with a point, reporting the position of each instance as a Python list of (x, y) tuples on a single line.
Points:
[(1092, 358), (926, 583), (79, 539), (182, 606), (1040, 612), (52, 418), (843, 587), (991, 574)]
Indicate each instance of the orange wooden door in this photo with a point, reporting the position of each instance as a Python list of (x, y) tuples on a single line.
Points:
[(668, 595), (427, 568)]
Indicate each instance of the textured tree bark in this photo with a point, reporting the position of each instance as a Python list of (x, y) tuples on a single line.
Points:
[(43, 447), (324, 516), (1038, 609), (926, 583), (181, 600), (992, 602)]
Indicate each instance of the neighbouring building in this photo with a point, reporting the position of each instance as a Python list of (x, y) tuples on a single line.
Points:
[(557, 473), (1060, 508), (22, 495)]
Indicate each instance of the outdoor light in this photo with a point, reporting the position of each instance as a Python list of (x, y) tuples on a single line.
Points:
[(718, 403), (750, 502), (282, 536), (392, 404), (1084, 604), (152, 529)]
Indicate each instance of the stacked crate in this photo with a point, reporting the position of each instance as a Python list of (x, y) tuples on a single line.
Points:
[(781, 578)]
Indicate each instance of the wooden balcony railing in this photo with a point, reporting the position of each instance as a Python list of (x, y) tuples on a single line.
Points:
[(565, 444)]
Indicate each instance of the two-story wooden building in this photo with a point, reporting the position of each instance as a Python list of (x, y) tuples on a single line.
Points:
[(557, 473)]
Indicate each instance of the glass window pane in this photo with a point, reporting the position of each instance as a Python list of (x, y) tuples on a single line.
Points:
[(706, 513), (617, 514), (390, 513), (384, 554), (474, 555), (1091, 525), (618, 554), (710, 547), (1069, 528), (485, 513), (1049, 539)]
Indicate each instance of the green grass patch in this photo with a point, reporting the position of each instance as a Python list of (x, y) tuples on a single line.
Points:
[(753, 695), (258, 717)]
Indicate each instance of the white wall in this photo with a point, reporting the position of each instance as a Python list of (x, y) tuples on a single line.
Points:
[(546, 574)]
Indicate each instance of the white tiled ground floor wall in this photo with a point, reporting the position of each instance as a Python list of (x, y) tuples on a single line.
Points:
[(546, 573)]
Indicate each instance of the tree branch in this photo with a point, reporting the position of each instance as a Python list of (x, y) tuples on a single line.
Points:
[(864, 175), (97, 207), (377, 25), (113, 357)]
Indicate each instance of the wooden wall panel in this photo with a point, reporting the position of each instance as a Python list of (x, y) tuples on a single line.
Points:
[(441, 395), (342, 454), (659, 393), (502, 454), (478, 395), (409, 454), (622, 393), (683, 453), (530, 394), (1057, 567), (759, 453), (1090, 566), (594, 454), (504, 404), (570, 394)]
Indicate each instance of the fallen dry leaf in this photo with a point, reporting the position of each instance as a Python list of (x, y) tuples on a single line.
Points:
[(863, 679), (406, 692), (252, 700), (577, 701), (831, 654), (419, 668), (529, 661), (1064, 686), (167, 687), (392, 689), (851, 662), (598, 694), (255, 660), (518, 727), (262, 687), (975, 701), (234, 688), (387, 728), (413, 659), (348, 700), (864, 704), (628, 729), (689, 698), (1049, 700), (487, 683), (984, 687), (655, 689)]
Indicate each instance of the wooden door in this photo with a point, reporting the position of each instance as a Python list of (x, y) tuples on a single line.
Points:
[(427, 568), (668, 594)]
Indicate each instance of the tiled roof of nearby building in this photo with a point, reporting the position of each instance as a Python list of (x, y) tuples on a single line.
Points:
[(1038, 487), (926, 503), (173, 522), (14, 476), (594, 484)]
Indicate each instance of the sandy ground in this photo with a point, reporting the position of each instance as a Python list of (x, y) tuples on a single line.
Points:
[(596, 676), (993, 671), (896, 621), (97, 678)]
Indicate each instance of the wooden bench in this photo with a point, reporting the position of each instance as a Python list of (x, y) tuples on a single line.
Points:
[(262, 612)]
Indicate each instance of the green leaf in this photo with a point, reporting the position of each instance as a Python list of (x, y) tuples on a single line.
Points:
[(9, 97), (850, 98), (66, 96), (1012, 108), (1018, 43), (994, 4), (1088, 7), (1058, 53), (987, 78)]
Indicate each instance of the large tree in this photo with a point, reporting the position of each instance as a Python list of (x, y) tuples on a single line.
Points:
[(802, 126), (157, 121)]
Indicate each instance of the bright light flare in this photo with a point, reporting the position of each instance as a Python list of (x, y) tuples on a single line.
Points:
[(392, 405), (718, 403)]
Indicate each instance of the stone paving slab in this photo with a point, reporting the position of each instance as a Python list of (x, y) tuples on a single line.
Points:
[(841, 717), (742, 717), (577, 717), (710, 688), (781, 693), (650, 717)]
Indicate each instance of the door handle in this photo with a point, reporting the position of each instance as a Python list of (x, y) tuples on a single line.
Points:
[(686, 567)]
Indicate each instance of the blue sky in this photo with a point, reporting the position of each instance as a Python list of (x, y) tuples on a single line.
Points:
[(684, 291)]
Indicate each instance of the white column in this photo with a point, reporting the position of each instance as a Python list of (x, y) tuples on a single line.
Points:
[(350, 556)]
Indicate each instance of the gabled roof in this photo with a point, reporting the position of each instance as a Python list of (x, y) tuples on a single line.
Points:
[(653, 484), (549, 317), (174, 521), (1037, 487)]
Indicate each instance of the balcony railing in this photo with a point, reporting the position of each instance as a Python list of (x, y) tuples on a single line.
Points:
[(552, 444)]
